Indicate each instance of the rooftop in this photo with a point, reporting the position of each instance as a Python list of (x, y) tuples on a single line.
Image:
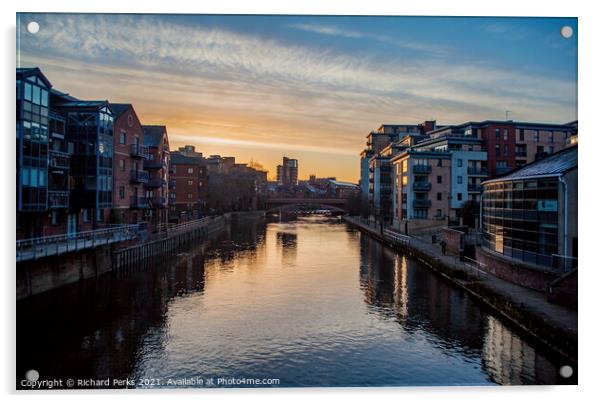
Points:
[(119, 109)]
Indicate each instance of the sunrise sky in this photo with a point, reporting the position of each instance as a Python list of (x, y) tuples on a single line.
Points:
[(311, 88)]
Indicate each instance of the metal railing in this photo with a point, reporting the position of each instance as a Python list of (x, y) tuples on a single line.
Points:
[(138, 176), (422, 169), (58, 159), (138, 150), (421, 203), (422, 186), (156, 183), (58, 199), (477, 171), (35, 248), (397, 237)]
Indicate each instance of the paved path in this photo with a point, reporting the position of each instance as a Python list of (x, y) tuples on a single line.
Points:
[(535, 302)]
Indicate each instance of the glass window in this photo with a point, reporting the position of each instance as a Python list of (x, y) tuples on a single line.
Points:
[(459, 180), (122, 138), (28, 96), (25, 173), (44, 98), (36, 94), (459, 162)]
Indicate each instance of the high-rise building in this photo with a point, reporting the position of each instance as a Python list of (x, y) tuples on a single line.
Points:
[(288, 172)]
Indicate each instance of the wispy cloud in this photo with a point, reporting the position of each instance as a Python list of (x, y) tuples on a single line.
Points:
[(223, 85)]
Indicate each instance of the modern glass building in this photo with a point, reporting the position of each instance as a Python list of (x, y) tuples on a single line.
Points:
[(531, 214)]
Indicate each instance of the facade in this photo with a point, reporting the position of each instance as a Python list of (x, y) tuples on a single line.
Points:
[(89, 137), (288, 173), (510, 145), (157, 166), (33, 110), (129, 176), (187, 185), (530, 215)]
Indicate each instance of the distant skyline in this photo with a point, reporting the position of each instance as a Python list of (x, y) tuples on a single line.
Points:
[(310, 88)]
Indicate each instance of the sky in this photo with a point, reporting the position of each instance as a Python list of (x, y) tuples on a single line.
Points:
[(308, 87)]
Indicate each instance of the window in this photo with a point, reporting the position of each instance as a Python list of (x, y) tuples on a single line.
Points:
[(86, 215), (521, 135), (190, 183), (536, 136), (439, 162), (122, 192), (497, 150), (190, 195), (497, 134), (551, 138), (122, 165), (459, 180), (505, 150), (439, 213), (100, 215), (190, 170), (459, 196), (459, 162), (122, 138), (505, 134), (439, 196), (439, 179), (54, 218)]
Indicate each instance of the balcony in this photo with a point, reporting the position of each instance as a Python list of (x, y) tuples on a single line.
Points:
[(421, 203), (139, 151), (422, 169), (424, 186), (139, 202), (475, 188), (155, 183), (520, 154), (58, 199), (139, 176), (477, 171), (58, 159), (153, 164), (172, 184), (158, 201)]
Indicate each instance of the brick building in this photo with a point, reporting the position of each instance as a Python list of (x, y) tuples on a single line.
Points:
[(129, 176), (188, 184)]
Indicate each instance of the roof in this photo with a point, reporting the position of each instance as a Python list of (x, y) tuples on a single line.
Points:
[(120, 109), (554, 165), (153, 134), (177, 158), (30, 71), (344, 184)]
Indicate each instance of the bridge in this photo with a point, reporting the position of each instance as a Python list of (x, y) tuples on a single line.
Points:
[(293, 203)]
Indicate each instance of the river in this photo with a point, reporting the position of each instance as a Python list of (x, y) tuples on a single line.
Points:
[(308, 301)]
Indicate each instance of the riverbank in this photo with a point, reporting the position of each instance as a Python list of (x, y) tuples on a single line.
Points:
[(553, 325)]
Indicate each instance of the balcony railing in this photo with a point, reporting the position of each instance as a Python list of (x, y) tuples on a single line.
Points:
[(475, 188), (502, 170), (153, 164), (481, 171), (158, 201), (422, 186), (155, 183), (139, 202), (139, 176), (138, 150), (58, 159), (520, 153), (421, 203), (58, 199), (35, 248), (422, 169)]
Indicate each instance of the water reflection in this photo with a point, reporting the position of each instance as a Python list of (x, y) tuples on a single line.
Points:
[(276, 300)]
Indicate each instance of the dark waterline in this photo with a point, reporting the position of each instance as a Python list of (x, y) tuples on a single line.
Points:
[(311, 302)]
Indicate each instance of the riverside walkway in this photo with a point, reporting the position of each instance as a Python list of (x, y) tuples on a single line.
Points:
[(527, 308)]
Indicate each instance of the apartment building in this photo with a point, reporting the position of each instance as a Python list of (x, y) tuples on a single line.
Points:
[(157, 166), (288, 173), (129, 176), (187, 184)]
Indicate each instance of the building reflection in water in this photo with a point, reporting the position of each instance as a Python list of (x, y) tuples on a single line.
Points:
[(400, 287)]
